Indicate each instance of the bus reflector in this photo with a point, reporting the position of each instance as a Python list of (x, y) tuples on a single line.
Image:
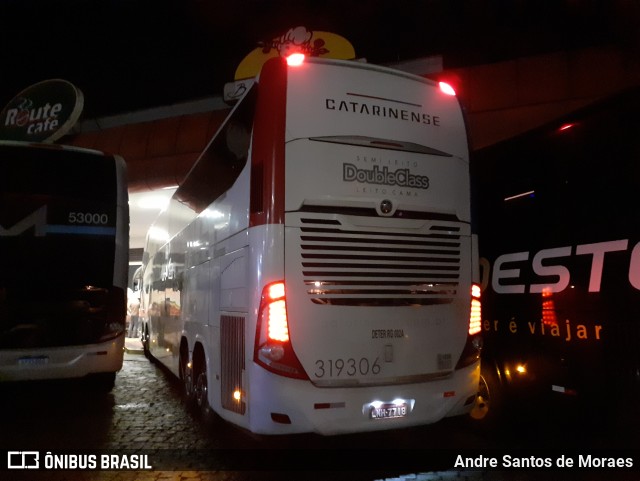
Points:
[(295, 59), (446, 88)]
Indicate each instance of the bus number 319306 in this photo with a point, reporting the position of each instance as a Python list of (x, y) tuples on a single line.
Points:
[(349, 367)]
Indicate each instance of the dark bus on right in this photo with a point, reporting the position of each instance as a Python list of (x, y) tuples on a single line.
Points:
[(558, 221)]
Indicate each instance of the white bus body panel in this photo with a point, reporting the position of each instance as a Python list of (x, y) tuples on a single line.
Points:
[(344, 272), (320, 173), (346, 97), (206, 258)]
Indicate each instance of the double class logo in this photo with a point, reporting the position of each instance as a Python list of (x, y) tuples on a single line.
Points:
[(384, 176)]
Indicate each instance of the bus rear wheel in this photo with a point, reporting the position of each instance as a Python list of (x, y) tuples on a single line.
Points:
[(486, 412), (201, 390), (145, 343), (186, 377), (200, 383), (482, 407)]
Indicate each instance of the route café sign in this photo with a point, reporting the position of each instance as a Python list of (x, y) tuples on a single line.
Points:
[(43, 112)]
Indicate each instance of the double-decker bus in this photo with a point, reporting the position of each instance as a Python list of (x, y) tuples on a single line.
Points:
[(559, 237), (64, 230), (313, 272)]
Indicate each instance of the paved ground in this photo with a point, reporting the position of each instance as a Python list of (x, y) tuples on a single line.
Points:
[(144, 415)]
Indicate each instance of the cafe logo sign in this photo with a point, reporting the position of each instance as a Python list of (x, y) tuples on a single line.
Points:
[(43, 112)]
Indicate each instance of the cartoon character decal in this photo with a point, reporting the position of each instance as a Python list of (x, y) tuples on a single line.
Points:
[(297, 39)]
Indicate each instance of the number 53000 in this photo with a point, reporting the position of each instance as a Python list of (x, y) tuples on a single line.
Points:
[(88, 218)]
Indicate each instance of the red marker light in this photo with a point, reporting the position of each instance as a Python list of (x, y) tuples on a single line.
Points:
[(446, 88), (295, 59), (566, 127)]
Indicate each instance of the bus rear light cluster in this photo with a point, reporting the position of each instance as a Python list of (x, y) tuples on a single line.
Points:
[(276, 313), (473, 347), (273, 349), (475, 317)]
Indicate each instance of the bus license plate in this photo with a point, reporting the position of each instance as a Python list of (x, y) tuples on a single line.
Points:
[(33, 361), (389, 411)]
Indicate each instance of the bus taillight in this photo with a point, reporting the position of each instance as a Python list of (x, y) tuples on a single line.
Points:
[(273, 349), (473, 347), (475, 317), (276, 314)]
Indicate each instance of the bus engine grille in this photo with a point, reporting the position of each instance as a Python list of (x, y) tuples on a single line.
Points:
[(376, 267)]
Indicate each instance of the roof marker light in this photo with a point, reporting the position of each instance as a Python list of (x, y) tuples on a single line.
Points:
[(446, 88), (295, 59)]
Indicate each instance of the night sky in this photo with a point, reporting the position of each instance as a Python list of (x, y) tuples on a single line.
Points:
[(133, 54)]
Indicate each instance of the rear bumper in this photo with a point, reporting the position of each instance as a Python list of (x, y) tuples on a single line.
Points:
[(285, 406), (61, 362)]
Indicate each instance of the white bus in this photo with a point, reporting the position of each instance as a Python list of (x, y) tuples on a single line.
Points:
[(313, 273), (64, 230)]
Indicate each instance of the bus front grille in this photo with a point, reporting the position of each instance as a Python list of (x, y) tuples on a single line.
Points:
[(380, 267)]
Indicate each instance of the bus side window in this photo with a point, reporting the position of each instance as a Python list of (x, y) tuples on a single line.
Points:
[(223, 159)]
